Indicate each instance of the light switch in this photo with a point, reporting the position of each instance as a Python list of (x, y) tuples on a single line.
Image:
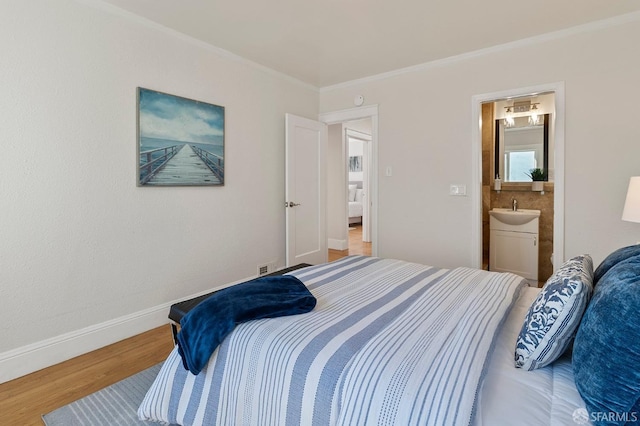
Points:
[(458, 190), (388, 171)]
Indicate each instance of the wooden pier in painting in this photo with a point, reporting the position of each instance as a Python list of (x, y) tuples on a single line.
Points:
[(188, 166)]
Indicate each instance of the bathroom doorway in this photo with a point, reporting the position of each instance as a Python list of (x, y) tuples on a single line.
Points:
[(494, 112)]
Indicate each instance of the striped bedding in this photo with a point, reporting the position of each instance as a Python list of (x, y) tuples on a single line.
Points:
[(389, 342)]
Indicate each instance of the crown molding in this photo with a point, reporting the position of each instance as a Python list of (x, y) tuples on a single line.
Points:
[(109, 8), (543, 38)]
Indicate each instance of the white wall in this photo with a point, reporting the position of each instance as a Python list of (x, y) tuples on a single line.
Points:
[(80, 245), (362, 126), (425, 131)]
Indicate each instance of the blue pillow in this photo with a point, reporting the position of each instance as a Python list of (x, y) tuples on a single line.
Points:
[(613, 259), (553, 318), (606, 351)]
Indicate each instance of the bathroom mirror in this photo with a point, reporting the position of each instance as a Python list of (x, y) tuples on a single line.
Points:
[(520, 147)]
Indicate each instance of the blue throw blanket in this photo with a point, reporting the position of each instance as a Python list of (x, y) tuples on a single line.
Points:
[(206, 325)]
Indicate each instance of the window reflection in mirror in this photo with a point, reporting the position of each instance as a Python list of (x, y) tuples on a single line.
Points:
[(520, 147)]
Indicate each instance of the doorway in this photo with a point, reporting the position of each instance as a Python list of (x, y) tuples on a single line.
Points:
[(357, 140), (514, 143), (484, 109), (352, 178), (358, 145)]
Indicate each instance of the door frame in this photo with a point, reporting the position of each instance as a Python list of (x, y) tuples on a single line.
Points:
[(558, 183), (365, 138), (351, 114)]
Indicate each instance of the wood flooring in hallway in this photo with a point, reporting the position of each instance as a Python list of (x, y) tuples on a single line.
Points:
[(356, 245)]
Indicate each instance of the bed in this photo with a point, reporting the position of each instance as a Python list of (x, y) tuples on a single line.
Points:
[(389, 342), (355, 204)]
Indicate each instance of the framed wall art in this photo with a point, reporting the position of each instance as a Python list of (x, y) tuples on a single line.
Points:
[(355, 163), (180, 141)]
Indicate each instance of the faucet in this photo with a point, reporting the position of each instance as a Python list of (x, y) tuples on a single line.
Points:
[(514, 204)]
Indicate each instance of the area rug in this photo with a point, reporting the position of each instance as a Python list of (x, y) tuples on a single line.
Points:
[(114, 405)]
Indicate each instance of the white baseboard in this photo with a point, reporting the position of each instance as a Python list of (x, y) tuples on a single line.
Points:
[(337, 244), (36, 356)]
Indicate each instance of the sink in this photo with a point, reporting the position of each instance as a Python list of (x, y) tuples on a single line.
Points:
[(518, 217)]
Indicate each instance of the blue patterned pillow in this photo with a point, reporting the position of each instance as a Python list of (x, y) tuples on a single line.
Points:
[(613, 259), (606, 351), (554, 316)]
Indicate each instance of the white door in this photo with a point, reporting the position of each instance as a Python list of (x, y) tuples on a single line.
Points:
[(305, 191)]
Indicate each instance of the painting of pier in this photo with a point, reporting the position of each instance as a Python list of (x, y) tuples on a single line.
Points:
[(180, 141)]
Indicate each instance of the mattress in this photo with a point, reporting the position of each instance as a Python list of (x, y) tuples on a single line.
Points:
[(546, 396)]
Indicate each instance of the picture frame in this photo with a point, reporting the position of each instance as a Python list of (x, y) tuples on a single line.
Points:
[(355, 163), (180, 141)]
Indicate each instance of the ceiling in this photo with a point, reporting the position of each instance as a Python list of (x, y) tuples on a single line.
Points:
[(324, 43)]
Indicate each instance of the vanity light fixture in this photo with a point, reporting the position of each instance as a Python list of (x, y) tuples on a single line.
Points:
[(521, 107), (508, 119), (631, 212), (534, 118)]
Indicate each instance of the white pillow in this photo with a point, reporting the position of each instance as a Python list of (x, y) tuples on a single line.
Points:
[(352, 192), (553, 318), (359, 195)]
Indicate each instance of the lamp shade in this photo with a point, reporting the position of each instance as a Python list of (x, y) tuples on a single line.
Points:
[(631, 211)]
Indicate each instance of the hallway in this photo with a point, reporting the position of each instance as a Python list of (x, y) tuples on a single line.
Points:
[(356, 245)]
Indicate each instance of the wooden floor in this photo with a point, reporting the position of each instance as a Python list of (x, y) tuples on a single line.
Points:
[(24, 400), (356, 245)]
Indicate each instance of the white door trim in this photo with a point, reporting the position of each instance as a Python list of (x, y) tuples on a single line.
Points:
[(370, 111), (476, 150)]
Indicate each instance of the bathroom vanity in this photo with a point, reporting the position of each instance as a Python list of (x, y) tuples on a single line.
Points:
[(514, 241)]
